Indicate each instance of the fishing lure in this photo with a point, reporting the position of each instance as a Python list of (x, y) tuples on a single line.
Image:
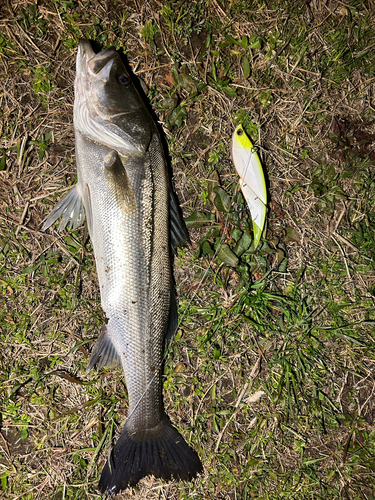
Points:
[(253, 185)]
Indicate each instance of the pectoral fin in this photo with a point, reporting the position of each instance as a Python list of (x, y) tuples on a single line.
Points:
[(119, 183), (70, 208)]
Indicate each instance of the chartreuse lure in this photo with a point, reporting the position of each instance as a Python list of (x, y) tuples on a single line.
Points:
[(249, 168)]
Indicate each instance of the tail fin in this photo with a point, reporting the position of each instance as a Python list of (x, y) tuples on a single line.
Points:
[(161, 452)]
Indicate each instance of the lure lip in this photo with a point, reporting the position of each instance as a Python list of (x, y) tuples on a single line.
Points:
[(252, 182)]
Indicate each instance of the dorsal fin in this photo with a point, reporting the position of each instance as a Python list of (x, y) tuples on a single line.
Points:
[(179, 234)]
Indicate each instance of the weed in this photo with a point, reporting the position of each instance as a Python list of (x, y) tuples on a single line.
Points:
[(43, 143), (149, 31), (184, 19), (42, 80)]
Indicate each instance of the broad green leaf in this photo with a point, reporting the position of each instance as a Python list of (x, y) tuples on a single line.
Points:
[(226, 255), (236, 234), (206, 248), (222, 200), (230, 91), (215, 425), (31, 269), (252, 462), (175, 74), (168, 104), (199, 219), (257, 44), (244, 41), (3, 160), (243, 272), (245, 67), (187, 82), (177, 116), (233, 41), (242, 245), (283, 265), (212, 182), (280, 256), (208, 40), (292, 235)]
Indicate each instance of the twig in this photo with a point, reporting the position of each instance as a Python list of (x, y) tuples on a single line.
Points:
[(344, 257), (341, 216), (40, 197), (20, 157), (22, 218), (152, 69), (5, 444), (202, 154), (253, 375), (344, 240)]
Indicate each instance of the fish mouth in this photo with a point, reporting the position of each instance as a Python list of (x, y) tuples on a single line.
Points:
[(98, 64), (85, 52), (101, 61)]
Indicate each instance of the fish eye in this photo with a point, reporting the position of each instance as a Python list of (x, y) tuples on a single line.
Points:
[(124, 79)]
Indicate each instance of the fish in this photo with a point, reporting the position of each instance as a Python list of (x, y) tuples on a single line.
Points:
[(252, 182), (135, 225)]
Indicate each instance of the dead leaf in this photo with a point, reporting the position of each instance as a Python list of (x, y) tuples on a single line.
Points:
[(169, 79), (277, 209)]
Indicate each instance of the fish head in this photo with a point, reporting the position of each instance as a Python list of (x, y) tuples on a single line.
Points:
[(107, 106)]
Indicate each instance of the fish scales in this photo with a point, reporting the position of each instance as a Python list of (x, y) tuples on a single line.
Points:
[(133, 264), (124, 187)]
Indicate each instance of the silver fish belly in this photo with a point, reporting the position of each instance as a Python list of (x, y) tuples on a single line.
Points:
[(123, 186)]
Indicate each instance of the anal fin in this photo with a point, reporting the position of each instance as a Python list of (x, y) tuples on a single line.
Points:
[(104, 352)]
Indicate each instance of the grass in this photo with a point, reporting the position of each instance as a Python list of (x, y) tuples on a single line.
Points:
[(270, 376)]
